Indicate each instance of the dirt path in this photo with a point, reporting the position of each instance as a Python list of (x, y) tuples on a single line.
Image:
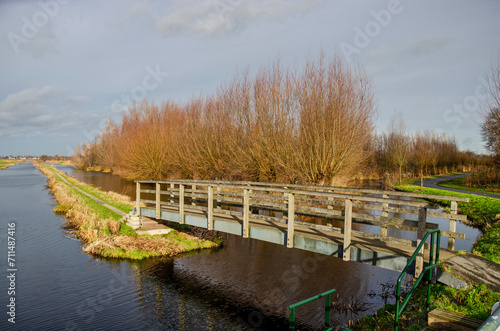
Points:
[(119, 212), (434, 183)]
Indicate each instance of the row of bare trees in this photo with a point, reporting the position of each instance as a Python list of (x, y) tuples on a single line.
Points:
[(282, 124), (313, 125), (421, 153)]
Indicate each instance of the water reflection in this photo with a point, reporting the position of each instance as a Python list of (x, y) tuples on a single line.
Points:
[(248, 284)]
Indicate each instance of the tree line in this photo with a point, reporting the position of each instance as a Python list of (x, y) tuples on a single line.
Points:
[(313, 125)]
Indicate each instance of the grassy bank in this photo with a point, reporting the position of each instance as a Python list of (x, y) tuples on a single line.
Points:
[(101, 231), (4, 164), (459, 184), (483, 213), (475, 302)]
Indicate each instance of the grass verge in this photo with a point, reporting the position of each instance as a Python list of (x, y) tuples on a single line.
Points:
[(475, 302), (4, 164), (101, 231), (458, 183), (482, 212)]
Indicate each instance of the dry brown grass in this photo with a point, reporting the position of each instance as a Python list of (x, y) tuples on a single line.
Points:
[(114, 226), (95, 231)]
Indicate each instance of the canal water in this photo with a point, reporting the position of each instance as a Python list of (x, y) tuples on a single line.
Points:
[(246, 285)]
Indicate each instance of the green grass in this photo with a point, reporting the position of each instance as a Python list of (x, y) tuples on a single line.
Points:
[(7, 163), (475, 302), (482, 213), (458, 184), (488, 245), (96, 192), (480, 210)]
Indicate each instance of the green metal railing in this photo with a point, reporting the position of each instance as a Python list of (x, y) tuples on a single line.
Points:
[(433, 263), (328, 307)]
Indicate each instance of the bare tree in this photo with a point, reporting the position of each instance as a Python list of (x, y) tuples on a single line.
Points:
[(398, 143), (490, 128)]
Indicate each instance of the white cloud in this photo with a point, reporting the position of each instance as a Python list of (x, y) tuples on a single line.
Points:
[(213, 17), (47, 110)]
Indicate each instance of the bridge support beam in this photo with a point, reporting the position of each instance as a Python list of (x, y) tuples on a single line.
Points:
[(347, 230)]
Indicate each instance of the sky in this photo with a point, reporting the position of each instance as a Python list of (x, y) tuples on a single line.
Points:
[(66, 66)]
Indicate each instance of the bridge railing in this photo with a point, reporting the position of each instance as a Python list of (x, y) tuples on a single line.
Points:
[(337, 208)]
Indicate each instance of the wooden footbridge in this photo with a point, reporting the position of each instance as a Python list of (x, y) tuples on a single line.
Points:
[(321, 219)]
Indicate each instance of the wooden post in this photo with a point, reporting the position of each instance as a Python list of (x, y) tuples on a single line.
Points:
[(218, 198), (422, 220), (193, 190), (171, 192), (158, 206), (246, 213), (210, 211), (291, 220), (347, 229), (383, 229), (181, 204), (138, 198), (453, 225)]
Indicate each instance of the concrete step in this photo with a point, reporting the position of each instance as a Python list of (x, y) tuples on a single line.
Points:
[(441, 319)]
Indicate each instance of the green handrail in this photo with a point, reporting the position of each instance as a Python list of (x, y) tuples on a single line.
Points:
[(328, 307), (432, 264)]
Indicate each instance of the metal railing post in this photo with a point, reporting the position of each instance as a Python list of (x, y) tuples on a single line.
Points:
[(433, 263), (328, 306), (347, 230), (291, 220)]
